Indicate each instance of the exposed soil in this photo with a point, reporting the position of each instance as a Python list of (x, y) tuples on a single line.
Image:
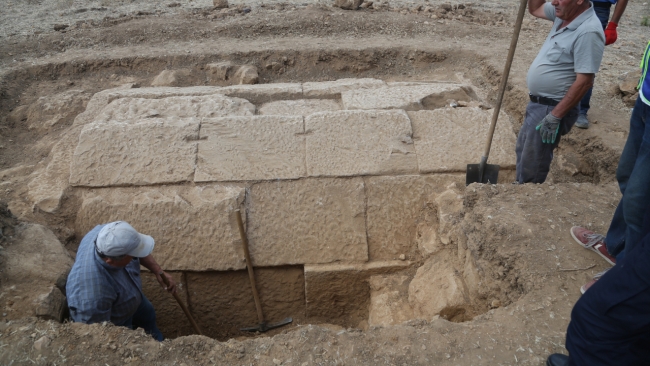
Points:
[(55, 54)]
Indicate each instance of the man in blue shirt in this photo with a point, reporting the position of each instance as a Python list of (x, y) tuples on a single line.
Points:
[(104, 283), (602, 9)]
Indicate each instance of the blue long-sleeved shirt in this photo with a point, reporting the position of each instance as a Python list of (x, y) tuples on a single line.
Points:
[(99, 292)]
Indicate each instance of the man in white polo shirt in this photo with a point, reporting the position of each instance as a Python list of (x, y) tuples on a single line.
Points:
[(558, 78)]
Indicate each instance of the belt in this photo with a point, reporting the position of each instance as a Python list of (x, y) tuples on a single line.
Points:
[(602, 4), (543, 100)]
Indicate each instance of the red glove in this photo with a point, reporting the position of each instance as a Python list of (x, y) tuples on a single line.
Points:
[(610, 33)]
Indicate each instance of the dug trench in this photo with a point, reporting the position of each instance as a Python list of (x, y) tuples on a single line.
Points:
[(347, 163)]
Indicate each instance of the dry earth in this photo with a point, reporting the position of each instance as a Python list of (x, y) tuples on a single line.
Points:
[(55, 54)]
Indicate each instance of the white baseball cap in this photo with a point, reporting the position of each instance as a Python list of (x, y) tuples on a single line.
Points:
[(119, 238)]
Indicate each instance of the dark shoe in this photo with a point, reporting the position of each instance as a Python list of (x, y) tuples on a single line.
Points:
[(557, 359), (582, 121)]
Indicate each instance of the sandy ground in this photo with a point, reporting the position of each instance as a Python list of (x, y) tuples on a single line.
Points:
[(519, 232)]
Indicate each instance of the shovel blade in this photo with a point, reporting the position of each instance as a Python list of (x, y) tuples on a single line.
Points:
[(490, 174), (263, 327)]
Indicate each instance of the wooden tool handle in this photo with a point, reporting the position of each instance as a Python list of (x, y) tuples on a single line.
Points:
[(182, 305), (249, 265)]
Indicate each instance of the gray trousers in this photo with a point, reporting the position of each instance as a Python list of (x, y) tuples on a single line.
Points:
[(534, 157)]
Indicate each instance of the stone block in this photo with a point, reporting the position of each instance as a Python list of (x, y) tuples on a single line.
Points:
[(333, 89), (193, 226), (50, 305), (300, 107), (170, 318), (402, 214), (307, 221), (389, 300), (223, 301), (412, 97), (264, 93), (340, 293), (142, 153), (345, 143), (448, 139), (171, 77), (205, 106), (59, 109), (251, 148)]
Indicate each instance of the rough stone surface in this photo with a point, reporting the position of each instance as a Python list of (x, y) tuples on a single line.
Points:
[(389, 300), (50, 305), (263, 93), (222, 302), (414, 97), (246, 74), (50, 183), (448, 139), (56, 110), (142, 153), (345, 143), (348, 4), (135, 109), (170, 77), (170, 318), (402, 214), (629, 81), (251, 148), (301, 107), (220, 71), (333, 89), (307, 221), (340, 293), (437, 285), (193, 226)]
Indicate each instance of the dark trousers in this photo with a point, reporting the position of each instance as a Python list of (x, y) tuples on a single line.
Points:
[(534, 157), (610, 324), (145, 318), (633, 175), (603, 15)]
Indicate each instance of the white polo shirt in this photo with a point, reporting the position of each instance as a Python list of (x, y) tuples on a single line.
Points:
[(576, 48)]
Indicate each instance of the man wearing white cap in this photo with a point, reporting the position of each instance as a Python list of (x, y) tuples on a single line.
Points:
[(104, 283)]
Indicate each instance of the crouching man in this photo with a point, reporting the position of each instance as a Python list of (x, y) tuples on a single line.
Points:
[(104, 283)]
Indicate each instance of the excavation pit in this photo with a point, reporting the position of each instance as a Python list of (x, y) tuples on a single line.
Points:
[(350, 189)]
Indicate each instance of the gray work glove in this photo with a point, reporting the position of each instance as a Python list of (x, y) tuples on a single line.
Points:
[(548, 128)]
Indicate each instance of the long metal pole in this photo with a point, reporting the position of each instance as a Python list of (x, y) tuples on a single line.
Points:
[(249, 265)]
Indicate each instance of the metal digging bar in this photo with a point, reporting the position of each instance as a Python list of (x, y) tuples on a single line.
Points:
[(262, 326)]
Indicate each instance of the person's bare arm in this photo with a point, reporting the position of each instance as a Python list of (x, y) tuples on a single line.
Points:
[(150, 263), (536, 8), (618, 11), (576, 91)]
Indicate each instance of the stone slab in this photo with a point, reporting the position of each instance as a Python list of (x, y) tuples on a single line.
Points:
[(251, 148), (402, 214), (448, 139), (307, 221), (223, 301), (346, 143), (333, 89), (193, 226), (340, 293), (205, 106), (407, 97), (300, 107), (142, 153)]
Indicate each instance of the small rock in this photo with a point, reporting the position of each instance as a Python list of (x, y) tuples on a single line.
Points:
[(220, 70), (348, 4), (42, 343), (495, 304), (247, 74), (60, 27), (402, 257), (220, 4), (628, 82), (277, 362)]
